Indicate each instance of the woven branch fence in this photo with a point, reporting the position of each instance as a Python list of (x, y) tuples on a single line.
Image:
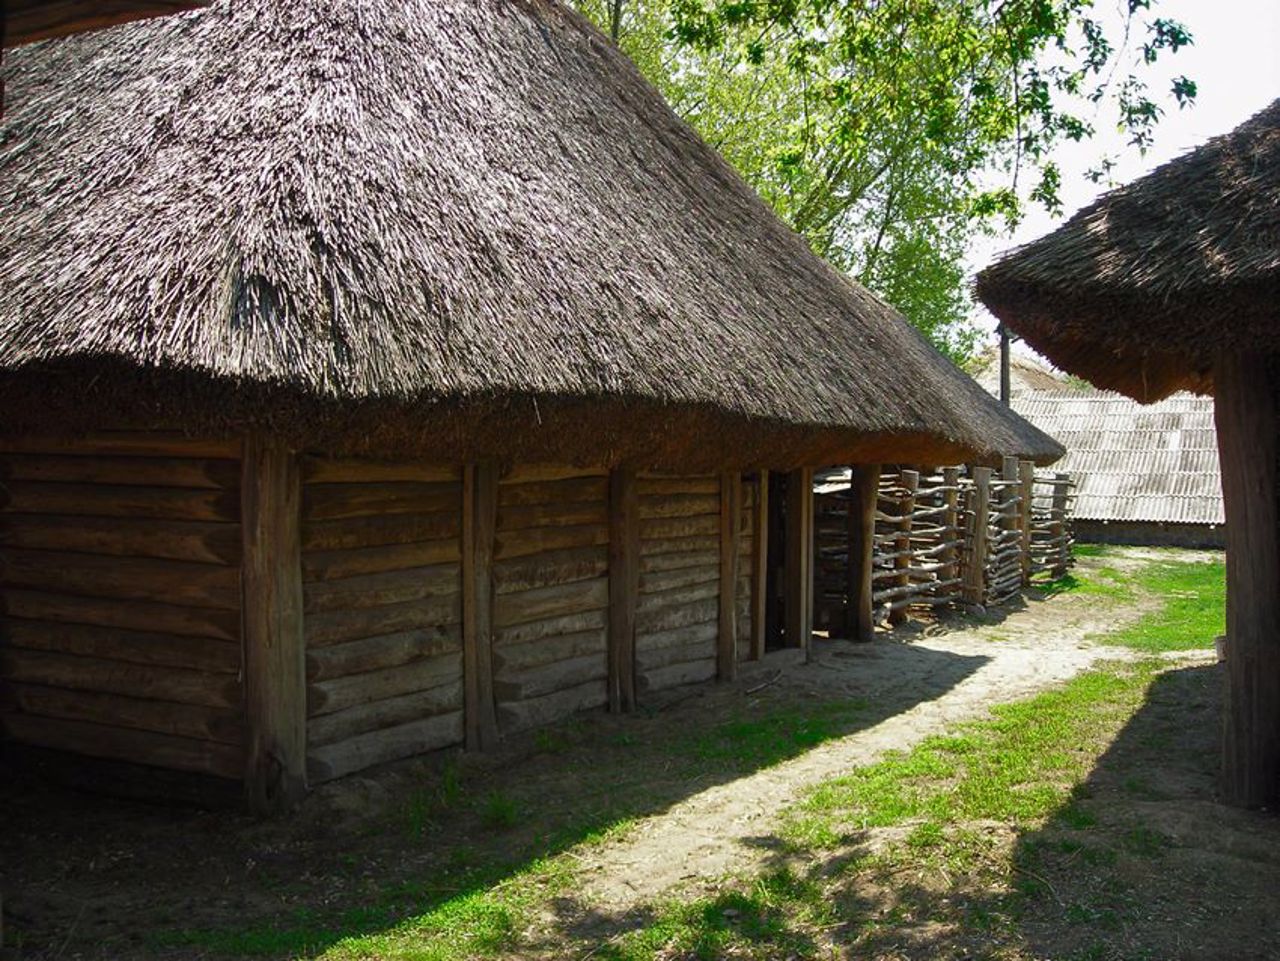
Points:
[(958, 536)]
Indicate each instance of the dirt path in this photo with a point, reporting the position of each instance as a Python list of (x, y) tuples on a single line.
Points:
[(720, 830)]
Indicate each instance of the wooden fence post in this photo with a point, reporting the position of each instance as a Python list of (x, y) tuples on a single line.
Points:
[(902, 543), (950, 520), (975, 564), (799, 570), (864, 487), (275, 675), (1027, 472), (1058, 522), (624, 587), (730, 545), (479, 528), (760, 567)]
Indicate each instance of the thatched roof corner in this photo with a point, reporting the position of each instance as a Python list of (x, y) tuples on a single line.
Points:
[(354, 217), (1140, 290), (26, 21)]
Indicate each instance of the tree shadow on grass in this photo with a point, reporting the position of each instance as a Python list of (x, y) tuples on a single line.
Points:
[(96, 877)]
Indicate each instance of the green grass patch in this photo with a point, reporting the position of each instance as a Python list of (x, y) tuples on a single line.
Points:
[(1193, 611)]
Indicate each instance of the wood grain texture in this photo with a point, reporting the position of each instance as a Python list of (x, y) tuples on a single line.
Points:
[(864, 484), (201, 541), (324, 763), (479, 527), (759, 566), (727, 584), (799, 559), (623, 588)]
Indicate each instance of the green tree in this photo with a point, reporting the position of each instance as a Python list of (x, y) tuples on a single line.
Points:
[(890, 132)]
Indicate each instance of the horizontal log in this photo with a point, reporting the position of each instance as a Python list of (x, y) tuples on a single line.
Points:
[(124, 744), (379, 747), (668, 617), (679, 505), (134, 647), (150, 681), (336, 565), (539, 711), (551, 567), (102, 500), (335, 627), (140, 443), (523, 516), (328, 502), (536, 540), (673, 597), (573, 491), (509, 659), (145, 471), (679, 546), (325, 470), (551, 627), (549, 678), (651, 659), (378, 715), (136, 615), (340, 693), (377, 590), (660, 582), (225, 726), (123, 578), (691, 672), (366, 532), (658, 563), (202, 541), (533, 473), (661, 528), (379, 653), (653, 485), (555, 601), (703, 633)]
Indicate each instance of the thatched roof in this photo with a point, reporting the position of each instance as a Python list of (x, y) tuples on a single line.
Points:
[(396, 224), (1139, 291), (26, 21)]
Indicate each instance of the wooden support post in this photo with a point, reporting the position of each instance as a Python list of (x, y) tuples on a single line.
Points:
[(902, 543), (275, 676), (975, 558), (624, 587), (759, 566), (730, 545), (1027, 474), (1058, 525), (951, 521), (1248, 426), (799, 571), (479, 527), (863, 490)]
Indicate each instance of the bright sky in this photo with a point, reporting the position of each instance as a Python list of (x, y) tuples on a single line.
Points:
[(1235, 62)]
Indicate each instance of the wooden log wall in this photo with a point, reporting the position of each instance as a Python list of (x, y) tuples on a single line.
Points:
[(746, 555), (120, 576), (551, 595), (382, 598), (677, 615)]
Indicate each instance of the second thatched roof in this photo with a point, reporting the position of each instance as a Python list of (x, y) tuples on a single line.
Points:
[(403, 225), (1139, 291)]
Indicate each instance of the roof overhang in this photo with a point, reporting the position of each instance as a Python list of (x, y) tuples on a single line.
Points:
[(26, 21)]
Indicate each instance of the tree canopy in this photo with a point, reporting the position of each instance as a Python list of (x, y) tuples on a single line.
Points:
[(890, 132)]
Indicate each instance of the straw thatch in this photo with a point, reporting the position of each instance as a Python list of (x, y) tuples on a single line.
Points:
[(1139, 291), (466, 226), (25, 21)]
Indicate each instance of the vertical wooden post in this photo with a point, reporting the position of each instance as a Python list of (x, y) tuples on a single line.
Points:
[(864, 490), (760, 567), (624, 587), (479, 527), (975, 559), (951, 521), (275, 677), (902, 543), (1058, 525), (1248, 427), (730, 546), (799, 589), (1027, 473)]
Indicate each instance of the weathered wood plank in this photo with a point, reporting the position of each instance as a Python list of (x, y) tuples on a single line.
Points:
[(376, 590), (389, 712), (336, 565), (386, 651), (623, 587), (123, 578), (103, 500), (730, 532), (373, 532), (759, 565), (690, 672), (662, 528), (573, 491), (134, 647), (140, 443), (151, 681), (652, 486), (799, 566), (549, 678), (225, 726), (551, 627), (340, 693), (325, 470), (526, 516), (323, 502), (479, 529), (136, 615), (660, 600), (654, 658), (680, 505), (554, 601), (703, 634), (537, 540), (666, 617), (910, 480), (533, 473), (511, 658), (536, 712), (274, 647), (144, 471), (553, 567), (378, 747), (652, 564), (125, 744), (659, 581), (864, 485), (675, 547), (201, 541), (336, 627)]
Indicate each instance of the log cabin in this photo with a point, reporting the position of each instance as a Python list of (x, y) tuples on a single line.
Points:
[(434, 383), (1173, 283)]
